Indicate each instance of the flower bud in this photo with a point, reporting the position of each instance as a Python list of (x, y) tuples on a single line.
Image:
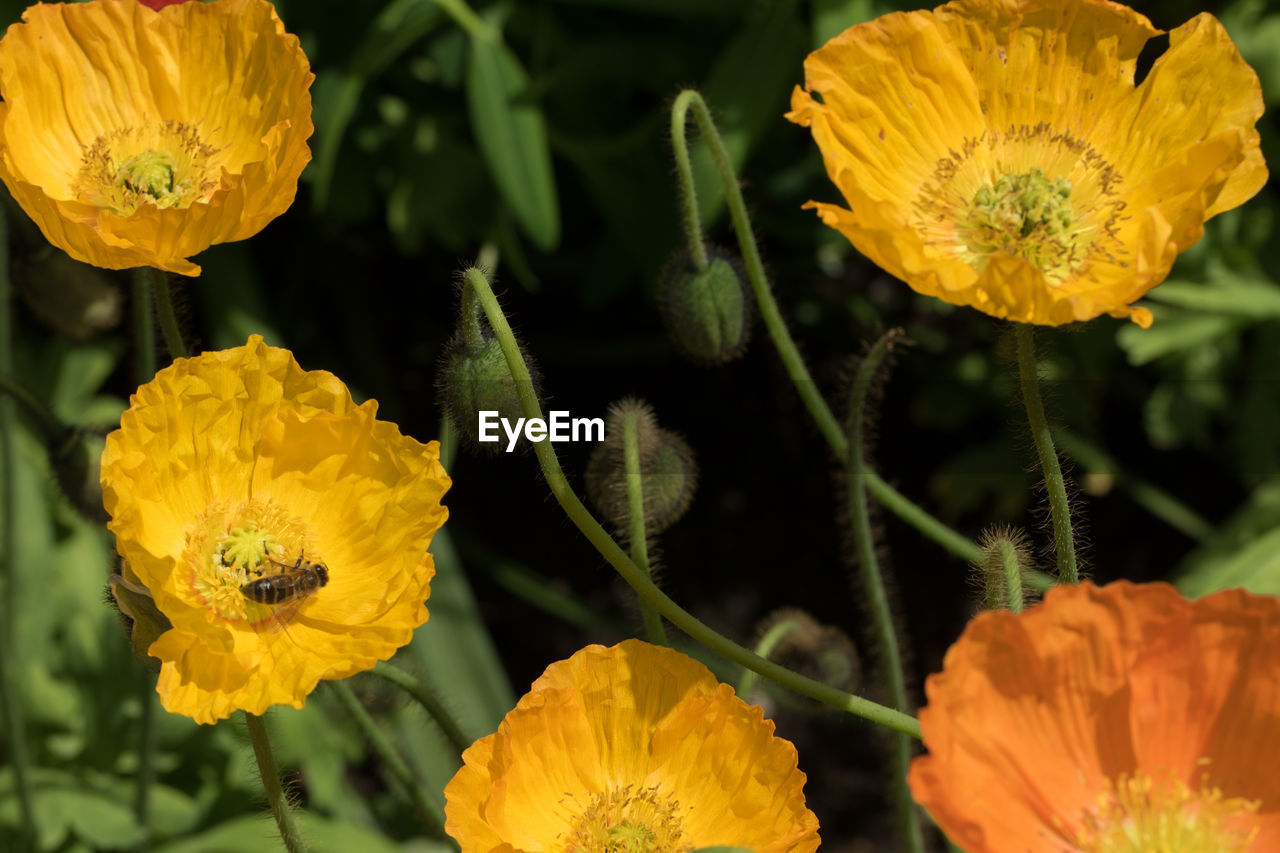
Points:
[(794, 639), (77, 466), (473, 377), (707, 312), (141, 619), (74, 299), (1006, 557), (667, 469)]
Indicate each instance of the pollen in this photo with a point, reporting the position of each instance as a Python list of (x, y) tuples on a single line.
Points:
[(630, 819), (164, 164), (230, 546), (1140, 815)]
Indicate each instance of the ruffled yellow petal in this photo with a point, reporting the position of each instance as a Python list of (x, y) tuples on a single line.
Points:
[(637, 740), (218, 91), (996, 153), (238, 465)]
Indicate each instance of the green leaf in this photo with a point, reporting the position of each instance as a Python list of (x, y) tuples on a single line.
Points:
[(396, 28), (512, 137), (1172, 333), (93, 817), (239, 835), (1255, 566), (1255, 300)]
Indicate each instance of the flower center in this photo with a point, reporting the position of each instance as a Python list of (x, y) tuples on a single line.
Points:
[(229, 546), (1060, 225), (1026, 215), (164, 164), (1140, 815), (629, 820)]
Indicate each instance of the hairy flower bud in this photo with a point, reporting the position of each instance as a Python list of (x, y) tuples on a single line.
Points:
[(1006, 557), (667, 469), (473, 377), (75, 299), (142, 620), (707, 312), (77, 466)]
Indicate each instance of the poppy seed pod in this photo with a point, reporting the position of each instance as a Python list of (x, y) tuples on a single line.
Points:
[(667, 468)]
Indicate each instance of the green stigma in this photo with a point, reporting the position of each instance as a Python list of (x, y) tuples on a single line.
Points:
[(149, 173), (627, 837), (246, 548), (1026, 215)]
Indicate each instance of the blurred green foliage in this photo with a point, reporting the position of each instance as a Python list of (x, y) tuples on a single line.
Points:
[(537, 130)]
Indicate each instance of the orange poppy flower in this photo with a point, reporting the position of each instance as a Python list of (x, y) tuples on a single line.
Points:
[(1117, 719), (997, 154)]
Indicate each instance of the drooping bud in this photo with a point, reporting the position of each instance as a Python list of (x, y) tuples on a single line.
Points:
[(473, 377), (794, 639), (75, 299), (707, 313), (668, 472), (141, 619), (77, 466), (1006, 557)]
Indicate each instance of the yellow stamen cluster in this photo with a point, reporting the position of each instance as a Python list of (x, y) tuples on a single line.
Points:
[(230, 546), (164, 164), (1027, 215), (629, 819), (1140, 815)]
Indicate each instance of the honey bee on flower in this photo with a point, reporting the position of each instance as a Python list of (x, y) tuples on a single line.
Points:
[(227, 464)]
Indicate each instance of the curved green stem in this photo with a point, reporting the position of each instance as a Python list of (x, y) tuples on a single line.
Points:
[(1059, 505), (873, 588), (775, 635), (633, 575), (270, 773), (168, 318), (889, 498), (635, 515), (14, 719), (684, 176), (432, 813), (428, 699)]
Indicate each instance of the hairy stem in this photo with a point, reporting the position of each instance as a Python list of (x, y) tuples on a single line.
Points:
[(873, 588), (635, 514), (270, 773), (638, 579), (1059, 505)]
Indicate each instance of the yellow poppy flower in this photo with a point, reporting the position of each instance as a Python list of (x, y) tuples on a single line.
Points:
[(280, 528), (997, 154), (1118, 719), (136, 137), (632, 747)]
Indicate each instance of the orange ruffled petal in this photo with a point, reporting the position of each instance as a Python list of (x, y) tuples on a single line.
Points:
[(1034, 716)]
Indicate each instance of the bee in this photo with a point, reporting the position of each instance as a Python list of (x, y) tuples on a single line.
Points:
[(292, 584)]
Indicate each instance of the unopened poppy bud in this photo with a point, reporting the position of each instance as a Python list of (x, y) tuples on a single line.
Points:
[(707, 312), (796, 640), (473, 377), (74, 299), (77, 466), (141, 619), (667, 469), (1005, 560)]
